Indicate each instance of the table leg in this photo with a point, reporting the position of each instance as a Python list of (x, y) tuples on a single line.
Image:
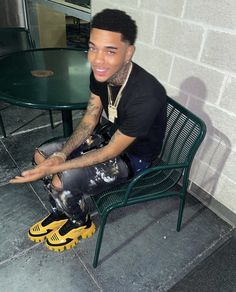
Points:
[(2, 127), (67, 122)]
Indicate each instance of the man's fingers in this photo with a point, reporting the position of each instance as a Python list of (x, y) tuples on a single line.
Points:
[(27, 176), (30, 175), (17, 179), (27, 172)]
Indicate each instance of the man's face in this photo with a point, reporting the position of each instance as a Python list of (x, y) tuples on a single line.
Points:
[(107, 53)]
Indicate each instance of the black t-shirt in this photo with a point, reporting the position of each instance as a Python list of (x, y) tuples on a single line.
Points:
[(141, 111)]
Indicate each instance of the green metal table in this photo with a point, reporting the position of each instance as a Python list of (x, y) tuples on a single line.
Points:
[(54, 78)]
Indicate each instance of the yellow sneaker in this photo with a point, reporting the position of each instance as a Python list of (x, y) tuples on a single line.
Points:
[(68, 235), (41, 229)]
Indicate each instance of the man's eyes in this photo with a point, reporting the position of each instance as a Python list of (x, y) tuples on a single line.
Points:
[(111, 52), (92, 49), (108, 51)]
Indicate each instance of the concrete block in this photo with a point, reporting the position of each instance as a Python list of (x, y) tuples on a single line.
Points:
[(220, 187), (212, 12), (228, 99), (179, 37), (102, 4), (176, 94), (230, 164), (196, 80), (146, 24), (125, 4), (219, 50), (219, 123), (158, 63), (217, 154), (204, 176), (222, 122), (168, 7), (226, 193)]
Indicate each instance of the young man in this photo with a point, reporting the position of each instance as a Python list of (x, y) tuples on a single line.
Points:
[(133, 102)]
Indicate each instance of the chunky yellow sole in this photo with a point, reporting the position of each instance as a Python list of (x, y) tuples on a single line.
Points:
[(38, 233), (59, 243)]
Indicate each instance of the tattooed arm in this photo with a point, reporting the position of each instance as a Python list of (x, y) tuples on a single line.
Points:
[(86, 126), (118, 143)]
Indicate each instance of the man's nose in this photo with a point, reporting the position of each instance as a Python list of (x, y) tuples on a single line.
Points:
[(99, 57)]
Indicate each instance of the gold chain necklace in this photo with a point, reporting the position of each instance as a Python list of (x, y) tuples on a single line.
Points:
[(112, 108)]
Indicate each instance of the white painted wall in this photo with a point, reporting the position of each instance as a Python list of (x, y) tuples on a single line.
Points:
[(190, 46)]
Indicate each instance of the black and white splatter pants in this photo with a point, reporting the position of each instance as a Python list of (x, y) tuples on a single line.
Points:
[(76, 183)]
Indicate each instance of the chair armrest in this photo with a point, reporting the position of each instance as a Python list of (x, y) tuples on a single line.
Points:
[(154, 169)]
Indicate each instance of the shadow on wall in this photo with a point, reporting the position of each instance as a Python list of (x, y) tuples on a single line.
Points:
[(214, 152)]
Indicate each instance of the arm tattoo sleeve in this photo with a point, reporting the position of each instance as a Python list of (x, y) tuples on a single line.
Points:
[(85, 127), (116, 146)]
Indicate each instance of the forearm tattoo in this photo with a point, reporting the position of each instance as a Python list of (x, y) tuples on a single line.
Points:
[(99, 155), (95, 156), (85, 127), (93, 109)]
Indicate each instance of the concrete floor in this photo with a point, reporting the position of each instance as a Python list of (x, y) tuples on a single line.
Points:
[(216, 273), (141, 250)]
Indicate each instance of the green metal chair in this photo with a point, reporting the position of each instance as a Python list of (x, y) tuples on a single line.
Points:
[(13, 39), (184, 134)]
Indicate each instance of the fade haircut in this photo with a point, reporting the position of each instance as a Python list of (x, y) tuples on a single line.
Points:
[(116, 21)]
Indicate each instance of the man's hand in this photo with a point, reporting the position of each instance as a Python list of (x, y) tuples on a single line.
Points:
[(31, 175), (40, 171)]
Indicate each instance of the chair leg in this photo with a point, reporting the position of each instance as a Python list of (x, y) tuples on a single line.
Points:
[(51, 119), (99, 240), (2, 126), (180, 215)]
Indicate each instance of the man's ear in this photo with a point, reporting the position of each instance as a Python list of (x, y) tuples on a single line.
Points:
[(130, 52)]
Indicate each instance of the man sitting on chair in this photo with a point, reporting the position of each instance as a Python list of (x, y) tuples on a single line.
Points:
[(133, 102)]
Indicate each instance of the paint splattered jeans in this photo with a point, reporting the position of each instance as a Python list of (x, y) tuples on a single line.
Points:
[(77, 183)]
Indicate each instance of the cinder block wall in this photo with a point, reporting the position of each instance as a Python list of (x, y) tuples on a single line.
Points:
[(190, 46)]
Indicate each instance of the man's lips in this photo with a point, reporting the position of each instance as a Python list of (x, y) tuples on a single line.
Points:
[(100, 71)]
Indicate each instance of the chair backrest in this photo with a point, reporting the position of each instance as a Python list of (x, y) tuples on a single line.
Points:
[(14, 39), (184, 134)]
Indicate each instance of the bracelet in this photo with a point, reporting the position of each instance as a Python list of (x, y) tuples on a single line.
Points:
[(59, 154)]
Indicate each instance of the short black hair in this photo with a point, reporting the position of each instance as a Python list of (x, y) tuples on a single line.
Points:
[(117, 21)]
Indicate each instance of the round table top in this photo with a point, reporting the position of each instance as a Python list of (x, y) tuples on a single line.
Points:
[(46, 78)]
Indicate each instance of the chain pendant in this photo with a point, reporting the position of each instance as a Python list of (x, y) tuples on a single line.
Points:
[(112, 113)]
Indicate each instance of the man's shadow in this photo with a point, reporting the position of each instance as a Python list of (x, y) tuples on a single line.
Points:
[(216, 147)]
